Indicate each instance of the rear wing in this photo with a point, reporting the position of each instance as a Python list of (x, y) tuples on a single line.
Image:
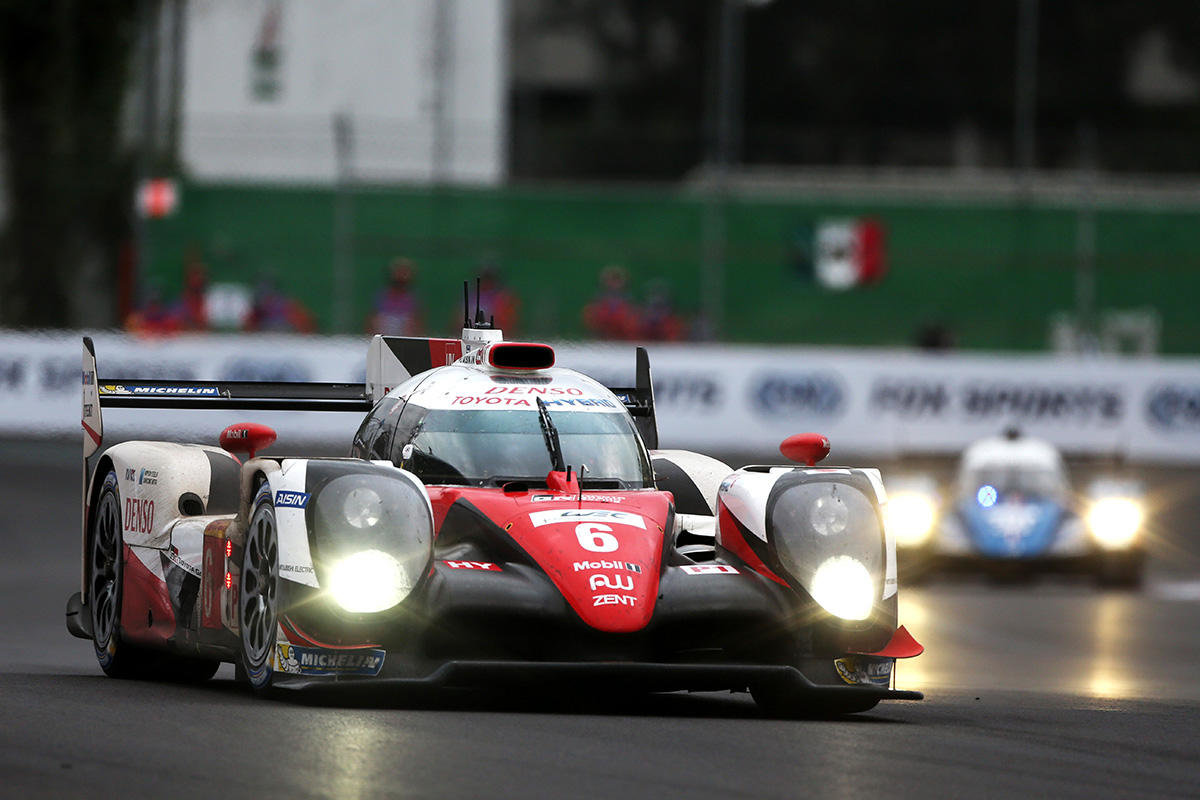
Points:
[(105, 392), (390, 361), (639, 400)]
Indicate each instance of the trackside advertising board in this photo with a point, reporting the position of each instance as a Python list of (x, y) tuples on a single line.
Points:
[(715, 398)]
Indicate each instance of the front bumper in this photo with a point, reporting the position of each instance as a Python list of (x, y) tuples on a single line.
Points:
[(644, 677)]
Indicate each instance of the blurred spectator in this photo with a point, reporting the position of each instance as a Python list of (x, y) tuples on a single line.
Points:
[(397, 311), (496, 300), (192, 308), (612, 314), (660, 321), (153, 317), (935, 337), (275, 312)]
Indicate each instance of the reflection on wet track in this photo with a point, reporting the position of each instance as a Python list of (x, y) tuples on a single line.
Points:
[(1051, 637)]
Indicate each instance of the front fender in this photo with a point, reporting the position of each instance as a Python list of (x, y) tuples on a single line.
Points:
[(294, 485)]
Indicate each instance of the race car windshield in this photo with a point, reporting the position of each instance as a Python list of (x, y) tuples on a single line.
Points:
[(1024, 480), (490, 447)]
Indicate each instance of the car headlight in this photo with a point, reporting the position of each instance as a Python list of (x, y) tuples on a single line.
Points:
[(369, 581), (828, 539), (829, 516), (843, 587), (372, 534), (910, 517), (1115, 521), (363, 507)]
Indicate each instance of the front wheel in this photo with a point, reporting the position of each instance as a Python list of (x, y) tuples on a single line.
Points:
[(258, 611)]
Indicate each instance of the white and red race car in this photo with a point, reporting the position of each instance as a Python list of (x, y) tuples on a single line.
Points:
[(499, 520)]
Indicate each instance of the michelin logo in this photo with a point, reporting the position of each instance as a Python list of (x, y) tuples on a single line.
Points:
[(171, 391), (312, 661), (291, 499)]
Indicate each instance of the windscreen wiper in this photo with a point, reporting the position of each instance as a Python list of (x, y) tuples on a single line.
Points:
[(550, 435)]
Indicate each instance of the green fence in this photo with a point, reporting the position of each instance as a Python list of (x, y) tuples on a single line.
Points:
[(993, 272)]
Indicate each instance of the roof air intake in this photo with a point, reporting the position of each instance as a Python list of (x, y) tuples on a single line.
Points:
[(518, 355)]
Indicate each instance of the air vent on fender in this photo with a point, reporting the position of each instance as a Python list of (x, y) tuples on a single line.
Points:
[(520, 355)]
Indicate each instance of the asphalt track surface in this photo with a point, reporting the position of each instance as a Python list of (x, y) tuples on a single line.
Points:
[(1044, 689)]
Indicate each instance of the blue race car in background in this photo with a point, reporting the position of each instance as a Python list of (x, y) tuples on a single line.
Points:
[(1012, 511)]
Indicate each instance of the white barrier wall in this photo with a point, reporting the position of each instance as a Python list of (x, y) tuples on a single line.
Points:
[(720, 398)]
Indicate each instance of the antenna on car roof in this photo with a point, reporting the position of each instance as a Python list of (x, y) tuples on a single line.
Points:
[(480, 319), (466, 304)]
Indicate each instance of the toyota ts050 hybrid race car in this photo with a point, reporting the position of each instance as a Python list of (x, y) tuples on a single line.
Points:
[(499, 521), (1013, 512)]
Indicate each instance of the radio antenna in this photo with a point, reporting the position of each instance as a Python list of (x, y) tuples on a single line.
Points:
[(480, 319), (466, 304)]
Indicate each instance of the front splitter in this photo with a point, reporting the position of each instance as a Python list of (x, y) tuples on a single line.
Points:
[(646, 677)]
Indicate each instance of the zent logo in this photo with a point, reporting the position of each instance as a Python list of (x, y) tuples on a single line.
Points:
[(139, 515), (596, 537), (291, 499), (613, 600)]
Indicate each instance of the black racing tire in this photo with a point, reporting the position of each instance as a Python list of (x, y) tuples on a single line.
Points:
[(784, 702), (106, 570), (258, 594)]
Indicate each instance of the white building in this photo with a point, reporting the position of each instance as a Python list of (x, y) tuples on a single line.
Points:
[(420, 87)]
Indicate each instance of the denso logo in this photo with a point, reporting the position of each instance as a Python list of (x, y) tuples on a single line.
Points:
[(1174, 407), (817, 393), (291, 499), (139, 515)]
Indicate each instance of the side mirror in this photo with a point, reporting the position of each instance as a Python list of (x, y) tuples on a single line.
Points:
[(805, 448), (247, 437)]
